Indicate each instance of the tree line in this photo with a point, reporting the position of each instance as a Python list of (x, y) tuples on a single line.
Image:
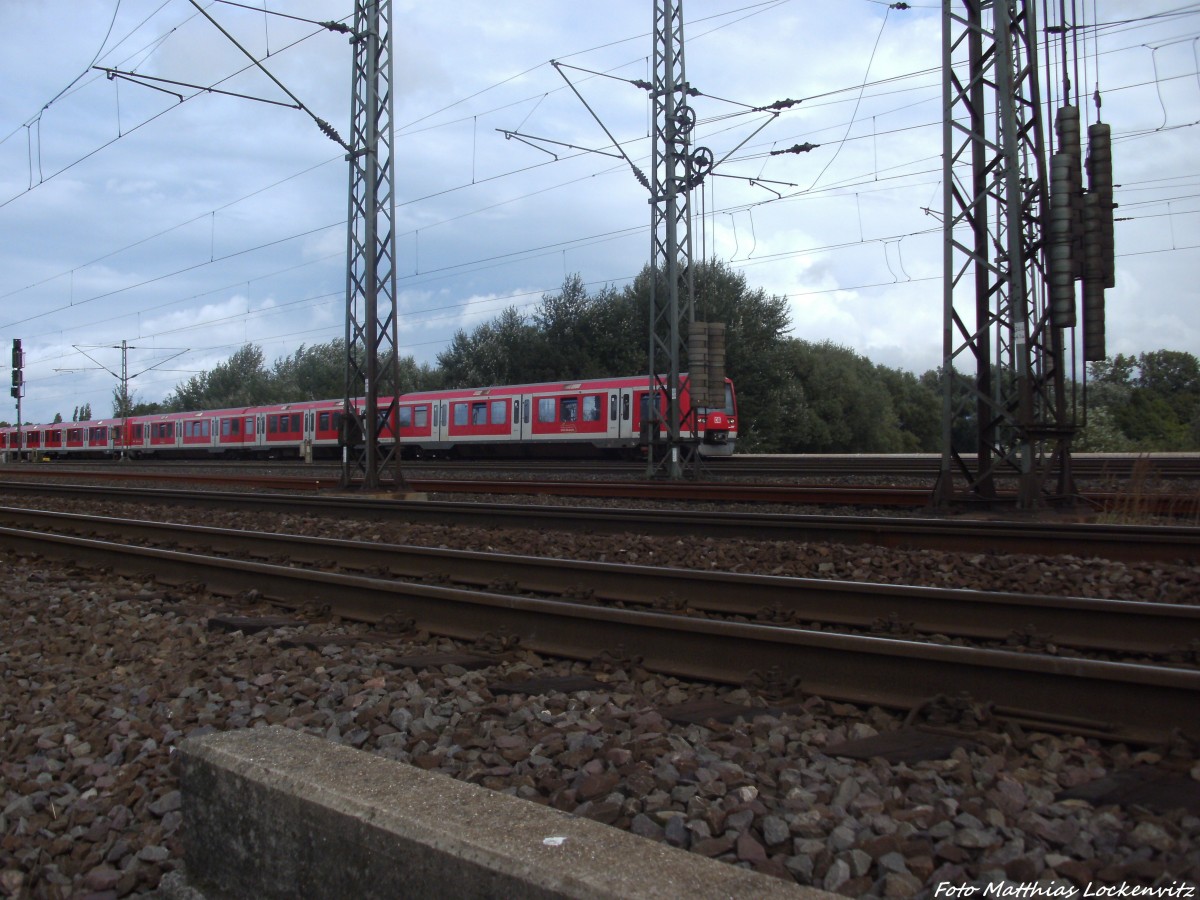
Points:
[(795, 396)]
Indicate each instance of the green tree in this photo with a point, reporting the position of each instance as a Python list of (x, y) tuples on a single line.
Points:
[(311, 373), (242, 380), (1151, 402), (756, 326), (918, 407), (123, 401), (849, 409)]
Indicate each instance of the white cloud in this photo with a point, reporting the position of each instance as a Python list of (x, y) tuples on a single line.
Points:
[(216, 221)]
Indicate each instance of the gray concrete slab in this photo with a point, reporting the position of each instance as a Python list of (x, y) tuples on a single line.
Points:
[(270, 812)]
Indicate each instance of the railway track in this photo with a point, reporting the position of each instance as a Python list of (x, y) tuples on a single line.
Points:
[(1118, 701), (1086, 466), (1114, 626), (1128, 543), (325, 478)]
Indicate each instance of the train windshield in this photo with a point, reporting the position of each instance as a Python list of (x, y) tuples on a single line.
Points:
[(728, 407)]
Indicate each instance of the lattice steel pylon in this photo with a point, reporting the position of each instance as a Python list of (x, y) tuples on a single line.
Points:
[(676, 170), (372, 360), (1004, 397)]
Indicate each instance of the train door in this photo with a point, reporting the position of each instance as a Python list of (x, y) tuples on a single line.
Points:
[(444, 421), (214, 429), (626, 429)]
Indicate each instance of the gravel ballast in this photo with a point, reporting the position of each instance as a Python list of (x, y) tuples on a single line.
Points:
[(103, 676)]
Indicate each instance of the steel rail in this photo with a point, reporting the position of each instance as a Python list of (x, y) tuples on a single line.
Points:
[(1129, 543), (1084, 465), (1119, 626), (1148, 503), (1113, 700)]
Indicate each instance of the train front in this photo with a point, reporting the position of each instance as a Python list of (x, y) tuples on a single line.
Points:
[(719, 425)]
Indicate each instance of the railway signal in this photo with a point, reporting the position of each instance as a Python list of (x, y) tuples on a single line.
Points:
[(18, 370)]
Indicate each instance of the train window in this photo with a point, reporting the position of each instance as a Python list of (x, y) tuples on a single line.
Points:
[(569, 410), (591, 408), (499, 412), (612, 407), (74, 434), (137, 432), (525, 415), (479, 413), (272, 424), (250, 425), (421, 415), (460, 413), (296, 422), (625, 408), (728, 399), (545, 411), (655, 413), (404, 416), (96, 435)]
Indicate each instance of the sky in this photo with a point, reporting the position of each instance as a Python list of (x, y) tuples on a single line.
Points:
[(186, 228)]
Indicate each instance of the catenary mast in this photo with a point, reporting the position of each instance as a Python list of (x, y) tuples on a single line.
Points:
[(372, 360)]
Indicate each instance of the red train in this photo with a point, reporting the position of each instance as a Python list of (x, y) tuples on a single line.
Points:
[(606, 416)]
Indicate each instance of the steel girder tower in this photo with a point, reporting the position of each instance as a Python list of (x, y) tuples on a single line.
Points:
[(1004, 398), (676, 170), (372, 361)]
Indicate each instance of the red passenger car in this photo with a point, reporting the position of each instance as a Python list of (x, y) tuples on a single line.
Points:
[(578, 418)]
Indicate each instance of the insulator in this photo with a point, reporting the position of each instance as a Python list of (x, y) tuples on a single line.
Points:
[(1066, 124), (716, 365), (1100, 182), (1093, 281), (1061, 263), (329, 131), (806, 147)]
